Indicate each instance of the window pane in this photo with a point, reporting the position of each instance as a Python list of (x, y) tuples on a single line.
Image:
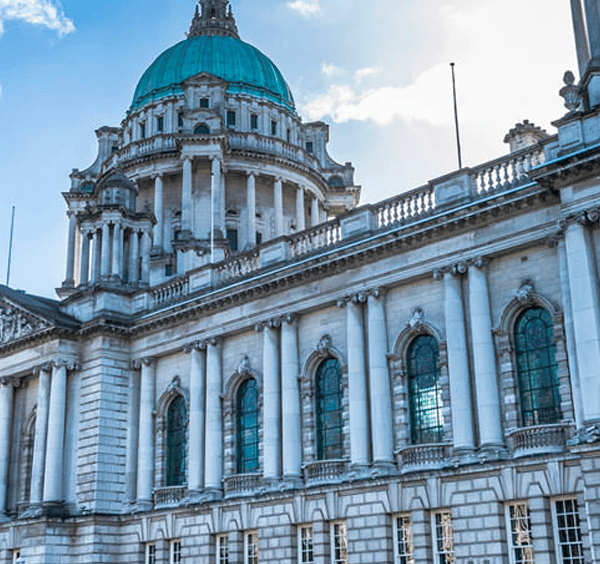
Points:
[(176, 420), (568, 532), (247, 427), (328, 383)]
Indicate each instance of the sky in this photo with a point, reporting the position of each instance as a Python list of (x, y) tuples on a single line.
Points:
[(376, 70)]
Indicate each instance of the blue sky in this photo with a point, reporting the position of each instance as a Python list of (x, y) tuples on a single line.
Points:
[(376, 70)]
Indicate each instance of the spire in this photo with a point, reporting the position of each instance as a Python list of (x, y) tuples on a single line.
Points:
[(215, 18)]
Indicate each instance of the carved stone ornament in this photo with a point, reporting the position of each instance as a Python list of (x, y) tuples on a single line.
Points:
[(525, 292), (244, 367), (15, 324), (416, 321), (324, 345), (175, 384), (570, 92)]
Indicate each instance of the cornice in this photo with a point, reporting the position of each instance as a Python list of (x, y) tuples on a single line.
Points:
[(568, 169)]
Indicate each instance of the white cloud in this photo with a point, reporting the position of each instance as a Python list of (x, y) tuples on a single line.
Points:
[(360, 74), (37, 12), (305, 7), (330, 70)]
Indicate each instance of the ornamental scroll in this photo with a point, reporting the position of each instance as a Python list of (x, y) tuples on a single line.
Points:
[(14, 324)]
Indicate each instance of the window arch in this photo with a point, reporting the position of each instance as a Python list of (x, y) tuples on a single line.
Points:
[(328, 387), (176, 442), (424, 391), (537, 379), (202, 129), (247, 427)]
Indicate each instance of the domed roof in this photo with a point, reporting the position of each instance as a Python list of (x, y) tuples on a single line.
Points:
[(244, 67)]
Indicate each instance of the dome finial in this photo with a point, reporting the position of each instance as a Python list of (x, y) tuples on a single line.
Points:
[(215, 19)]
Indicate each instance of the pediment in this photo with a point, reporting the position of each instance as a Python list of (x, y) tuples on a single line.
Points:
[(17, 323)]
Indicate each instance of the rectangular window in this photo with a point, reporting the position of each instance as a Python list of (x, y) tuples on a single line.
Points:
[(230, 118), (253, 121), (259, 238), (567, 532), (150, 553), (339, 543), (305, 545), (443, 542), (143, 130), (204, 103), (273, 127), (310, 147), (222, 549), (175, 552), (251, 548), (289, 136), (160, 124), (403, 543), (519, 527), (232, 237), (179, 119)]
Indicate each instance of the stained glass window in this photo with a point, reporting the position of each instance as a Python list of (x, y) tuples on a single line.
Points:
[(328, 383), (425, 392), (176, 420), (247, 427), (536, 368)]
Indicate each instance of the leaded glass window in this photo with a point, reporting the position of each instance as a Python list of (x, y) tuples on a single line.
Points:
[(424, 390), (247, 427), (328, 383), (536, 368), (567, 532), (176, 423)]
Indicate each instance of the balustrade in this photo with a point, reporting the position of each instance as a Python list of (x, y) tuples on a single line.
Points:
[(238, 267), (241, 484), (170, 292), (539, 439), (423, 457), (170, 496), (322, 471), (315, 239), (407, 207)]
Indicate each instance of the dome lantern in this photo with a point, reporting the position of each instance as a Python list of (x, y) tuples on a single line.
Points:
[(216, 18)]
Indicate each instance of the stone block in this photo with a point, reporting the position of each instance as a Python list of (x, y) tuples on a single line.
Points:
[(361, 221), (274, 253), (454, 189)]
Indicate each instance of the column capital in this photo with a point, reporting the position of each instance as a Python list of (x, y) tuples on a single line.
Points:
[(214, 341), (378, 293), (10, 381), (70, 213), (197, 346), (555, 238), (69, 363), (137, 363), (44, 367), (250, 173), (273, 323), (290, 318), (156, 175), (187, 158), (479, 262)]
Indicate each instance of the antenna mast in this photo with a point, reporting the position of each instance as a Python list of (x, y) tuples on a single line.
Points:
[(456, 118), (10, 245)]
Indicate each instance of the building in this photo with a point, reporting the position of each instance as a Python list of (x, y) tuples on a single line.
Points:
[(245, 367)]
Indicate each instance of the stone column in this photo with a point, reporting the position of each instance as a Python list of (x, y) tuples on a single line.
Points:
[(278, 203), (379, 382), (41, 437), (300, 220), (197, 413), (271, 404), (57, 411), (145, 460), (484, 358), (158, 212), (213, 446), (70, 274), (251, 205), (84, 271), (6, 406), (586, 316), (314, 212), (146, 246), (290, 400), (96, 259), (218, 200), (593, 26), (117, 251), (105, 261), (134, 257), (458, 360), (357, 382), (186, 197), (581, 42)]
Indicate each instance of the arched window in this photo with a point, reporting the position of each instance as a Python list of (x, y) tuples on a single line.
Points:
[(424, 391), (176, 444), (536, 368), (328, 384), (247, 427), (202, 129)]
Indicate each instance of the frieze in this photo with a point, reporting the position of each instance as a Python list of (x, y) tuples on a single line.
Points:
[(16, 324)]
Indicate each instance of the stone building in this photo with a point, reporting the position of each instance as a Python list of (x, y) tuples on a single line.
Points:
[(246, 367)]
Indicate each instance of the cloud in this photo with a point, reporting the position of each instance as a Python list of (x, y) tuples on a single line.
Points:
[(360, 74), (37, 12), (330, 70), (305, 7)]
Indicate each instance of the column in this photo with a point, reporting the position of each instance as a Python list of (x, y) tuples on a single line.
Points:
[(84, 271), (134, 257), (216, 188), (484, 359), (251, 205), (290, 400), (593, 26), (314, 212), (146, 246), (96, 259), (158, 212), (186, 196), (581, 43), (586, 316), (53, 478), (117, 251), (271, 405), (458, 361), (379, 381), (196, 425), (213, 446), (357, 382), (145, 469), (41, 436), (70, 275), (300, 221), (6, 405), (105, 260), (278, 202)]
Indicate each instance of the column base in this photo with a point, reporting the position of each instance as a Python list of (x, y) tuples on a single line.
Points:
[(492, 452), (358, 471), (143, 505), (34, 510), (291, 482), (210, 494), (53, 509), (383, 468)]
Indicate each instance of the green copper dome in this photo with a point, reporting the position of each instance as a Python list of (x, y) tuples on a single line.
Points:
[(244, 67)]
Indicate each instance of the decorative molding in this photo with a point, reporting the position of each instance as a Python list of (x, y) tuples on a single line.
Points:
[(525, 292), (16, 323), (416, 321)]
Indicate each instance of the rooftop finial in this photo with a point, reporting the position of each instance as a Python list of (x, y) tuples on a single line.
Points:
[(216, 18)]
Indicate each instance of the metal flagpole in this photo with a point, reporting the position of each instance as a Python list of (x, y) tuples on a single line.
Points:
[(10, 245), (456, 118)]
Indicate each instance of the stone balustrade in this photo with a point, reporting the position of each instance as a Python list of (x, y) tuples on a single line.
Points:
[(237, 267), (320, 237), (170, 292), (241, 484), (539, 439), (405, 208), (167, 497), (423, 457), (324, 471)]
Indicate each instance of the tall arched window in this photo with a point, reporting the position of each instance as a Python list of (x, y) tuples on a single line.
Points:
[(424, 390), (176, 443), (247, 427), (536, 368), (328, 384)]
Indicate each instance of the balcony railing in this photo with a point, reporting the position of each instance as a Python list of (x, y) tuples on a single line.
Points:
[(539, 439), (241, 484), (169, 496), (423, 457), (171, 292), (322, 471)]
